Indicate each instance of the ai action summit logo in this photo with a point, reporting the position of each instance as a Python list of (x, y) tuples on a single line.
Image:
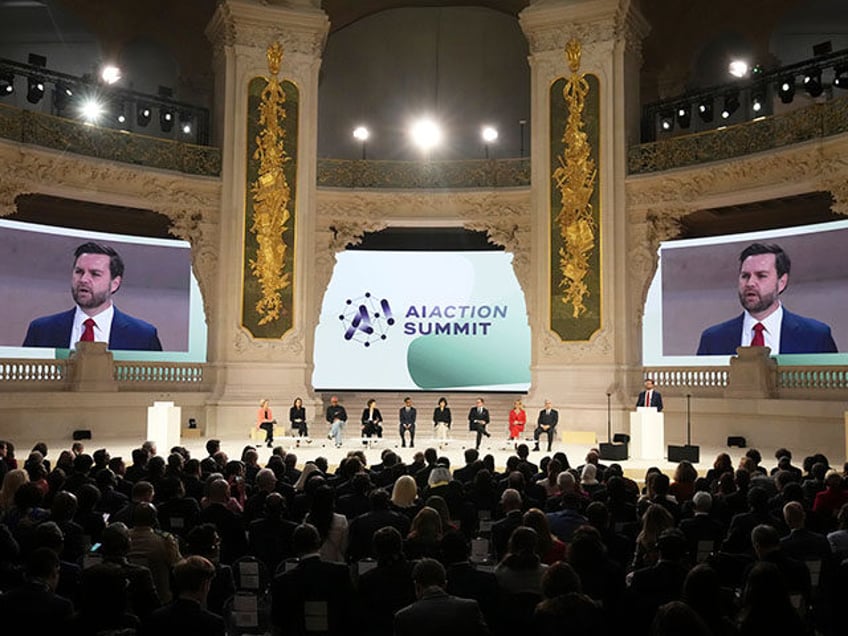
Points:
[(366, 319)]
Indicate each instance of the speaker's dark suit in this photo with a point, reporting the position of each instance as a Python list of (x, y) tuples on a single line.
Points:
[(477, 421), (656, 399), (127, 333), (407, 417), (797, 335), (549, 418)]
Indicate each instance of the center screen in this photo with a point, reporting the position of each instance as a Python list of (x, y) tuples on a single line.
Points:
[(423, 321)]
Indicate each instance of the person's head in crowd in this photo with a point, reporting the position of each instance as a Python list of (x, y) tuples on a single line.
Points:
[(49, 535), (560, 579), (404, 492), (427, 525), (522, 451), (765, 592), (36, 471), (144, 516), (818, 471), (77, 448), (671, 545), (266, 480), (388, 546), (676, 618), (428, 574), (833, 480), (661, 485), (794, 515), (306, 540), (40, 447), (204, 541), (522, 549), (142, 491), (220, 458), (140, 457), (516, 480), (586, 549), (722, 464), (233, 468), (192, 578), (250, 457), (702, 502), (685, 473), (101, 458), (65, 461), (782, 478), (219, 491), (747, 464), (12, 480), (793, 491), (566, 483), (702, 590), (379, 499), (455, 548), (754, 455), (655, 520), (439, 504), (593, 457), (277, 466), (155, 468), (27, 497), (440, 475), (191, 468), (765, 540), (175, 463), (115, 541), (64, 507), (42, 565), (588, 475), (150, 447), (117, 466), (430, 456), (471, 455), (757, 499), (783, 452), (597, 514), (55, 480), (171, 487), (510, 500), (212, 446), (274, 506), (743, 479), (181, 451), (322, 464), (83, 463), (536, 519)]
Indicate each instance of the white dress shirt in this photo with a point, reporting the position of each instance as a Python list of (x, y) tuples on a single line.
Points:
[(102, 325), (771, 333)]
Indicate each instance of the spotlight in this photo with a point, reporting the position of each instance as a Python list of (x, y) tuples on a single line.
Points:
[(758, 99), (786, 89), (489, 134), (110, 74), (91, 110), (426, 134), (35, 89), (7, 84), (667, 119), (684, 115), (738, 68), (705, 110), (731, 103), (840, 79), (142, 114), (361, 133), (185, 122), (121, 114), (812, 82), (62, 95), (166, 119)]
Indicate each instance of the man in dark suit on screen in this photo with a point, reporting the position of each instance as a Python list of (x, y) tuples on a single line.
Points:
[(763, 276), (97, 274)]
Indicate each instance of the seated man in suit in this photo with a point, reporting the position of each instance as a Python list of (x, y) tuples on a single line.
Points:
[(478, 420), (546, 424), (97, 274), (763, 276), (436, 611)]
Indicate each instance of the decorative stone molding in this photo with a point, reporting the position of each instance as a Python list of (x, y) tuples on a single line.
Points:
[(597, 348), (244, 346)]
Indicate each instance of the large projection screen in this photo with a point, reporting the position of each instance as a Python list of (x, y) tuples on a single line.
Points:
[(158, 287), (401, 320), (696, 286)]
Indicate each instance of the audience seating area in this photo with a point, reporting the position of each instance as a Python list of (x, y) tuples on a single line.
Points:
[(96, 545)]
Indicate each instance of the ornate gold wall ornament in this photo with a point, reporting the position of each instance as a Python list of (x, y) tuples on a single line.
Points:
[(575, 179), (271, 197)]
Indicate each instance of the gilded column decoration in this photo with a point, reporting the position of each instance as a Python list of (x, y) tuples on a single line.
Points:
[(575, 310), (270, 205)]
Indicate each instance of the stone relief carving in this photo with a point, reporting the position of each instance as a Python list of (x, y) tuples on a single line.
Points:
[(244, 346)]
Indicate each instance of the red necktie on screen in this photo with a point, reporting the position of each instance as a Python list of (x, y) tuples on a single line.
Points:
[(88, 332), (758, 340)]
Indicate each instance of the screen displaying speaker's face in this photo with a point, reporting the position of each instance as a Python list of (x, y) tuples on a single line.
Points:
[(42, 282), (701, 292), (423, 321)]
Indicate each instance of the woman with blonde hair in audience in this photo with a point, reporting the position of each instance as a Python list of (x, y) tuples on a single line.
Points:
[(13, 480), (405, 496), (654, 521), (308, 469), (551, 549), (425, 536)]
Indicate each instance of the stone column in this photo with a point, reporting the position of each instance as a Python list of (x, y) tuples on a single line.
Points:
[(249, 368), (578, 374)]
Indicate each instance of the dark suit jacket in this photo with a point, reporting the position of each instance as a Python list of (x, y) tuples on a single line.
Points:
[(501, 531), (407, 418), (377, 418), (473, 416), (34, 608), (181, 617), (656, 398), (126, 333), (548, 419), (436, 612), (797, 335), (312, 580)]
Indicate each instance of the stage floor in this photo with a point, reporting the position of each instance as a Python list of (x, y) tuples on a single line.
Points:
[(454, 450)]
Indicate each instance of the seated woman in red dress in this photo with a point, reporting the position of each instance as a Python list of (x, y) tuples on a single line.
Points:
[(517, 420)]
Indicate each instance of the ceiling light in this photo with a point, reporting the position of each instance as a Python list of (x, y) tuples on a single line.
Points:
[(489, 134), (35, 89), (166, 119), (110, 74), (705, 110), (426, 134), (813, 83), (142, 114), (361, 133), (667, 119), (186, 122), (786, 89), (731, 103), (738, 68), (91, 110), (684, 115)]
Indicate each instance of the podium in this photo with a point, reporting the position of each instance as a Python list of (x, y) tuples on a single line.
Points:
[(647, 433), (163, 424)]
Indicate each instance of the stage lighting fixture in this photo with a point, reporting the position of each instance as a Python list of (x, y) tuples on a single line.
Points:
[(684, 115), (166, 119), (62, 94), (361, 133), (426, 134), (840, 79), (35, 89), (489, 134), (110, 74), (185, 122), (813, 83), (142, 114), (121, 114), (731, 103), (7, 84), (667, 119), (738, 68), (705, 110), (758, 99), (91, 110), (786, 89)]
